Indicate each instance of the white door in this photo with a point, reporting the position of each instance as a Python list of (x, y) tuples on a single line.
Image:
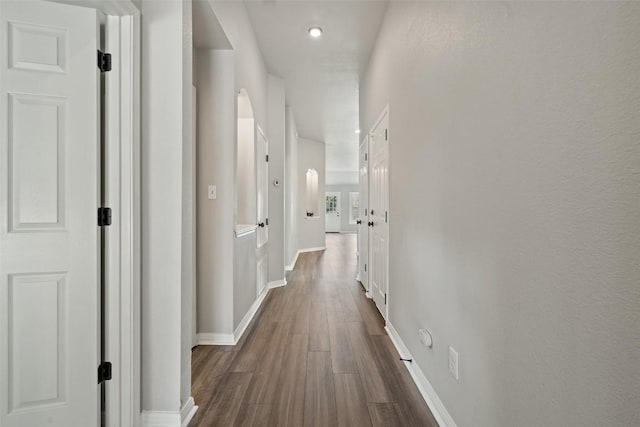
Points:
[(332, 212), (49, 241), (262, 184), (378, 212), (363, 218)]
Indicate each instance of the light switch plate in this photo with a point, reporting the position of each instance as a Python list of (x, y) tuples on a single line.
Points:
[(453, 362), (212, 192)]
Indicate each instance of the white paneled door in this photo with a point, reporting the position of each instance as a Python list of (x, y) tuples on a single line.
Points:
[(262, 184), (332, 212), (49, 242), (379, 212), (363, 218)]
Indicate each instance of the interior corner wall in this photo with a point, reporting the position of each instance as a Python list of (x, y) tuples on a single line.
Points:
[(188, 205), (162, 69), (311, 232), (291, 189), (514, 204), (276, 131), (216, 134)]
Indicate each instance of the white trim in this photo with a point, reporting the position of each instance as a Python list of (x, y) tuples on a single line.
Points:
[(300, 251), (187, 412), (246, 320), (245, 229), (319, 248), (161, 419), (207, 338), (426, 389), (312, 218), (293, 264), (122, 179), (215, 338), (277, 283)]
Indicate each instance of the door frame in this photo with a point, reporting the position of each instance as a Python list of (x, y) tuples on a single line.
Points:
[(381, 116), (122, 178), (338, 210), (364, 206)]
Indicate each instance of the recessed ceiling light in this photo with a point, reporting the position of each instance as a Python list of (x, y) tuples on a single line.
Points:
[(315, 32), (357, 130)]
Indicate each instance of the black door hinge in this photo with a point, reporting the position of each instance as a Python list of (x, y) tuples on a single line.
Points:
[(104, 217), (365, 267), (104, 61), (104, 372), (365, 157), (385, 299), (386, 134), (386, 216), (267, 157), (266, 221)]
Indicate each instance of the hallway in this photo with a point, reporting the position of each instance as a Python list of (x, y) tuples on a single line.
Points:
[(315, 354)]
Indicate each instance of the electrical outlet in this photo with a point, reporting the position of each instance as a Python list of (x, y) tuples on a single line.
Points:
[(212, 193), (453, 362)]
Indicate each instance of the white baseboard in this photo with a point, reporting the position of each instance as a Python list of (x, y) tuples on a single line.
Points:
[(161, 419), (242, 326), (207, 338), (293, 264), (319, 248), (277, 283), (187, 412), (428, 393)]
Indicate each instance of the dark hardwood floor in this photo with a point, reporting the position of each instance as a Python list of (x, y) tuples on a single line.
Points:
[(316, 354)]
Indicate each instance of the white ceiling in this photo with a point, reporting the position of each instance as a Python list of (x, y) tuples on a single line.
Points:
[(321, 75)]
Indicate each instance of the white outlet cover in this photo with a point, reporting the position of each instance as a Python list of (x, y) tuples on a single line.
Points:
[(453, 362), (211, 192)]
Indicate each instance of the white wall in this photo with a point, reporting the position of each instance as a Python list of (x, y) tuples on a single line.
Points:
[(216, 99), (342, 177), (291, 189), (162, 73), (514, 232), (188, 204), (311, 155), (344, 190), (276, 132)]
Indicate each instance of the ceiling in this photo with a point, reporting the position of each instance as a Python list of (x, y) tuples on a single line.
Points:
[(321, 75)]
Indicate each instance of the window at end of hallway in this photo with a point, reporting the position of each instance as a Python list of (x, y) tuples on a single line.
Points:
[(354, 206)]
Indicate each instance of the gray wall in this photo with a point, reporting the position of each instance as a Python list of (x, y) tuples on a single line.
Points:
[(344, 190), (223, 297), (215, 158), (311, 155), (514, 204), (244, 276), (276, 130), (162, 136), (291, 189)]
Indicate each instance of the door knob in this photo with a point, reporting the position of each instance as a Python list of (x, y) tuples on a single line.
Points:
[(371, 224), (358, 221), (261, 224)]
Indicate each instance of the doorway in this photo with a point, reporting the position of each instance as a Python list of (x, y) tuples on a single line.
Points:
[(378, 219), (332, 212), (68, 266)]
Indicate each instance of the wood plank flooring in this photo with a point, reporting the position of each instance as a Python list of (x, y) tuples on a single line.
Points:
[(316, 354)]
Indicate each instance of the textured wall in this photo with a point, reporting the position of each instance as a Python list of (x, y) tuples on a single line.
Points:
[(515, 204)]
